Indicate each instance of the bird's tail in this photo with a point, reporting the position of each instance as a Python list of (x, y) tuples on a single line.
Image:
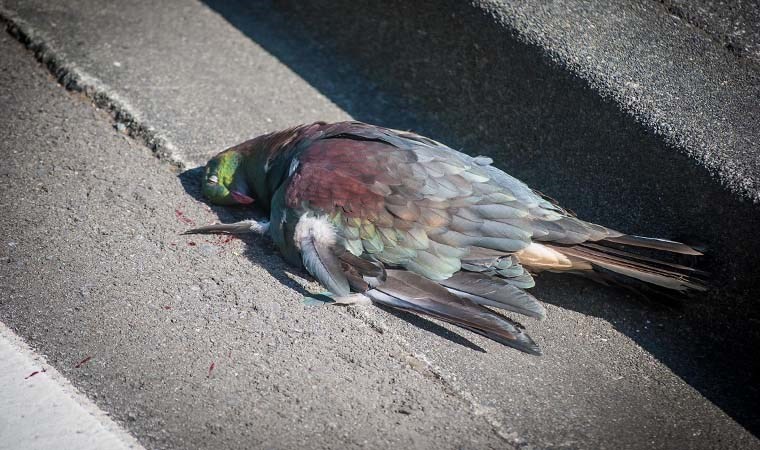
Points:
[(621, 261)]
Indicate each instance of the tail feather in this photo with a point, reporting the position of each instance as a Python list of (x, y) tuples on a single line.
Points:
[(645, 259), (647, 291), (654, 243), (631, 269)]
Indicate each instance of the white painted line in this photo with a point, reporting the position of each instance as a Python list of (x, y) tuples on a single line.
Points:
[(43, 410)]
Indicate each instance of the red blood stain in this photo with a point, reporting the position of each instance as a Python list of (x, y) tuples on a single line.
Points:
[(229, 354), (191, 244), (35, 373), (210, 369), (228, 239), (221, 240), (183, 218), (167, 307), (83, 362)]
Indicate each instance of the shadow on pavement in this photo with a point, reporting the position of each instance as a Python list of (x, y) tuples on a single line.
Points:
[(432, 327), (553, 132)]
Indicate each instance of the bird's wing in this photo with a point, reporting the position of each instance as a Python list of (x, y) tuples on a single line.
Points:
[(411, 292), (315, 238), (456, 303), (413, 202)]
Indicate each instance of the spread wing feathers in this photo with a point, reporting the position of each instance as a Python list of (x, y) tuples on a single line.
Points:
[(410, 292), (412, 202), (316, 238), (487, 290)]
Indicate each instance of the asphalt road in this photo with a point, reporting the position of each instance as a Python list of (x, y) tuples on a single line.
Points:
[(206, 343)]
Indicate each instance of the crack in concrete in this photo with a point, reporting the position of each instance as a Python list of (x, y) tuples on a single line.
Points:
[(74, 79), (420, 363), (740, 48)]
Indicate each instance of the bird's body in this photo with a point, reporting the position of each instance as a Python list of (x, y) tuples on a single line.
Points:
[(413, 224)]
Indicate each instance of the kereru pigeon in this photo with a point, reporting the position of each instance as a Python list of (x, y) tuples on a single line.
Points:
[(398, 219)]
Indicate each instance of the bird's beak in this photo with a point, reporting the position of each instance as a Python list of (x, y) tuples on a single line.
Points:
[(241, 198), (232, 228)]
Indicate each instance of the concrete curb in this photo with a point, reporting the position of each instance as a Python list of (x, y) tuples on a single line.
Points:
[(73, 78), (672, 78)]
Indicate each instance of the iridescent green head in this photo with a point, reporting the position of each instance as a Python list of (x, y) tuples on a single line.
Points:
[(224, 180)]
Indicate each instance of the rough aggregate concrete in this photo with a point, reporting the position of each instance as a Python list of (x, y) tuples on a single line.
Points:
[(675, 79), (174, 50), (733, 24), (616, 372)]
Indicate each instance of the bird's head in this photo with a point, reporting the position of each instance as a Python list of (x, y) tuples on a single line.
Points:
[(224, 180)]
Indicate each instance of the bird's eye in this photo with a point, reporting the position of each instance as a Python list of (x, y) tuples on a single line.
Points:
[(213, 179)]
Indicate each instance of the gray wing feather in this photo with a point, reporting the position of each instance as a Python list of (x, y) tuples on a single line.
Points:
[(486, 290), (411, 292)]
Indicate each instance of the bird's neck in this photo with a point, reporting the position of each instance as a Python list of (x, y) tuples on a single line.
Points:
[(268, 162)]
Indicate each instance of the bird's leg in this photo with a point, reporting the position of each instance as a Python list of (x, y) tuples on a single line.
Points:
[(345, 300), (352, 299), (244, 226)]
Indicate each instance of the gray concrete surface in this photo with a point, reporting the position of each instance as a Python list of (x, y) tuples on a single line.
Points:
[(616, 374), (41, 410), (733, 24), (178, 51), (681, 82), (677, 81)]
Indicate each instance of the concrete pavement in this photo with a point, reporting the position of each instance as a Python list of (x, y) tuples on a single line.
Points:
[(205, 343)]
